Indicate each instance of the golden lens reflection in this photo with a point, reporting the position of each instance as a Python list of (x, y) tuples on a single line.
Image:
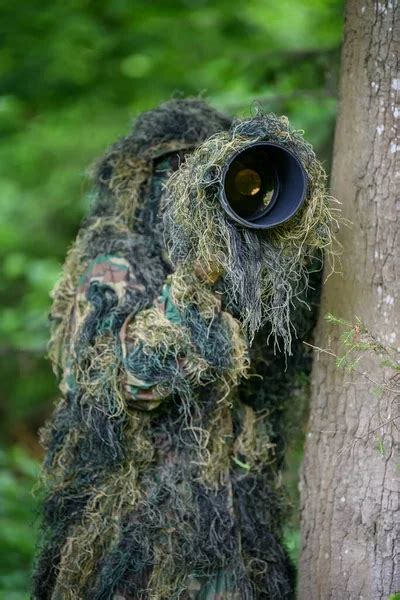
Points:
[(248, 182)]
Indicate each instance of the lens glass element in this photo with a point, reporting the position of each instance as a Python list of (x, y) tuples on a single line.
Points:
[(248, 182), (251, 183)]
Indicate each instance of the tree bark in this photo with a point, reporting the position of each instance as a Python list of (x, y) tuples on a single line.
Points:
[(350, 491)]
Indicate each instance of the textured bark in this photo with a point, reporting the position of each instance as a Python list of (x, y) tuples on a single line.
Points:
[(350, 498)]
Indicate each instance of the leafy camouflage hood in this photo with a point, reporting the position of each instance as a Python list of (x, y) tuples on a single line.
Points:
[(125, 170)]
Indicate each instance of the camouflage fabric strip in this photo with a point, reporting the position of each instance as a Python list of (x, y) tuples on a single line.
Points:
[(111, 270), (144, 395)]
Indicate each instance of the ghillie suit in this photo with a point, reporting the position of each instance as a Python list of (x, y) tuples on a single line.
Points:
[(162, 461)]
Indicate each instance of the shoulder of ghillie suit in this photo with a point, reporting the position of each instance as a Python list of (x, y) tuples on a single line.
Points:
[(125, 201)]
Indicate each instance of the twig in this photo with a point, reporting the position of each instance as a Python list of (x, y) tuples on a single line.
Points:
[(362, 373)]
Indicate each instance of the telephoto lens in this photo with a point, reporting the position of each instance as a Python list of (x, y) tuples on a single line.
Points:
[(264, 185)]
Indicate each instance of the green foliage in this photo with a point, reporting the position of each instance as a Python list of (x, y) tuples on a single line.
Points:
[(18, 473), (292, 543), (72, 75), (380, 447), (357, 340)]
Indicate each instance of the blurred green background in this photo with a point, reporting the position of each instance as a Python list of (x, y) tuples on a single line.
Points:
[(73, 74)]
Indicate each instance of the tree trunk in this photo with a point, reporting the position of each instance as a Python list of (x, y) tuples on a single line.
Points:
[(350, 491)]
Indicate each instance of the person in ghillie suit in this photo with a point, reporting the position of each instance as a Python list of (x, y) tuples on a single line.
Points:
[(173, 336)]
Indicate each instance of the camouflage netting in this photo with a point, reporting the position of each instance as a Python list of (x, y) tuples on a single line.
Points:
[(162, 469)]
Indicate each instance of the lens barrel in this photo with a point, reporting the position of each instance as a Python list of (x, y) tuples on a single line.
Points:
[(264, 185)]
